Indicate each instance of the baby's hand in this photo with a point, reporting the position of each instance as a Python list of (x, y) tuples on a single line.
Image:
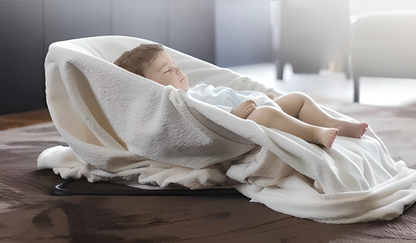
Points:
[(244, 109), (271, 96)]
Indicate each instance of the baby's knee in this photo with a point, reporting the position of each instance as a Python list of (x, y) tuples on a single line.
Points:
[(299, 96), (263, 115)]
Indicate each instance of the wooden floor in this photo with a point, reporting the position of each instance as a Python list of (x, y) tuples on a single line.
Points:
[(24, 119)]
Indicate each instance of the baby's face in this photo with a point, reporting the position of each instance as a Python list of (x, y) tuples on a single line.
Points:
[(164, 71)]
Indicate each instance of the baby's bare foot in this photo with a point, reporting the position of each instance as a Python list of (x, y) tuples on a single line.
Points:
[(352, 129), (325, 136)]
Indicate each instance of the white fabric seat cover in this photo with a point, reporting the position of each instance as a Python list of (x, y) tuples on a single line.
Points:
[(124, 128)]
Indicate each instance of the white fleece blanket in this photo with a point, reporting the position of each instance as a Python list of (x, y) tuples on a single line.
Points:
[(123, 128)]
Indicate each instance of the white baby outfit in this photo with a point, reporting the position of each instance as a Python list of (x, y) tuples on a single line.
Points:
[(226, 98)]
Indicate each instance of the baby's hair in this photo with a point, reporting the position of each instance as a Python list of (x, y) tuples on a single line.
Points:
[(139, 59)]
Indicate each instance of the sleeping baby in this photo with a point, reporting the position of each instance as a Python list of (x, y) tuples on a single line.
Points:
[(295, 113)]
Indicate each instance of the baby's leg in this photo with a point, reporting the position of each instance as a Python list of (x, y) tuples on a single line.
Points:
[(275, 118), (305, 109)]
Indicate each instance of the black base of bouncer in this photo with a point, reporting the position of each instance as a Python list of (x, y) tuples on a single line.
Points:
[(70, 187)]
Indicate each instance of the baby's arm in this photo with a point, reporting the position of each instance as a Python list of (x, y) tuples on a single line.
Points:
[(244, 109)]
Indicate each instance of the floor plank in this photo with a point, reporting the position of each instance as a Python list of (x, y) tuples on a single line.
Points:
[(24, 119)]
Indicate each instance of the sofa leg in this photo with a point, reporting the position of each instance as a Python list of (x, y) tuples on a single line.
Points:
[(280, 67), (356, 88), (347, 67)]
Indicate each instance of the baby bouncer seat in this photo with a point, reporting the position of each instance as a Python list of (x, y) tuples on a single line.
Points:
[(123, 128)]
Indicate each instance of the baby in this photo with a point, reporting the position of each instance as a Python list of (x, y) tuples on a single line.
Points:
[(298, 115)]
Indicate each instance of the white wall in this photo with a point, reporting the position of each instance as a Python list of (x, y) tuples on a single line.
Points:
[(185, 25), (243, 32)]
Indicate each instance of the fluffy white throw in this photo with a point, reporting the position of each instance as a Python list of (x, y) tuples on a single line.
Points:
[(127, 129)]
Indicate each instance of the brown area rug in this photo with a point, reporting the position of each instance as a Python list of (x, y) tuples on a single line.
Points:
[(29, 213)]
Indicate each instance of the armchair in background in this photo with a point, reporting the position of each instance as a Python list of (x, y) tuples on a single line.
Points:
[(310, 35), (383, 46)]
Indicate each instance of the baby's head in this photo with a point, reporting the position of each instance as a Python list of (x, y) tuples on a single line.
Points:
[(153, 62)]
